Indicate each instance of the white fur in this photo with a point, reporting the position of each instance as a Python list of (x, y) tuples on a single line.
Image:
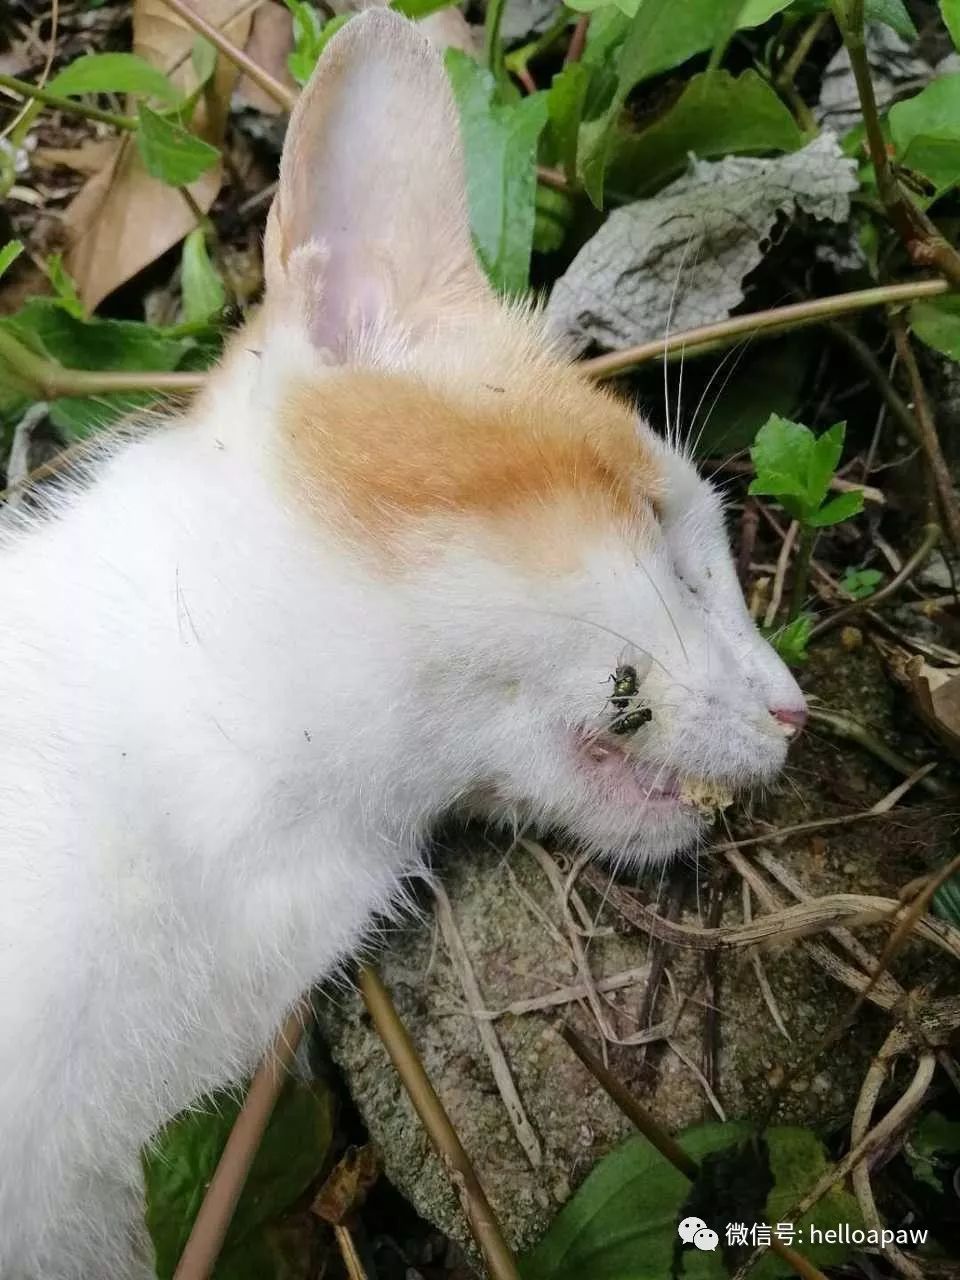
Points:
[(224, 739)]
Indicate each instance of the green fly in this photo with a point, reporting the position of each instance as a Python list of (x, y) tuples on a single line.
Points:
[(625, 686)]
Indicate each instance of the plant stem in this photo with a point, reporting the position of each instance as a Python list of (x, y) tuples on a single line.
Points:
[(891, 397), (517, 60), (668, 1147), (801, 569), (46, 380), (787, 73), (42, 379), (931, 536), (492, 44), (920, 236), (926, 431), (796, 315), (27, 90), (279, 92), (480, 1216), (578, 41)]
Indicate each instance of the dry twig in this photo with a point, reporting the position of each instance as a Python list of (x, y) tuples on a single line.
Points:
[(473, 1200), (460, 959)]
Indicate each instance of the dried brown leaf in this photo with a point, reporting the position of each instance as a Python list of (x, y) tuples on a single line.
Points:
[(934, 691), (348, 1185), (123, 219), (271, 40)]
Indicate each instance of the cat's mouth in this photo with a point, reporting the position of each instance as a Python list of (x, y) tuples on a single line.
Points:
[(625, 779)]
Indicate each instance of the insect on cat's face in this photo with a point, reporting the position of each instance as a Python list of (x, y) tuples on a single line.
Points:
[(567, 634), (611, 680)]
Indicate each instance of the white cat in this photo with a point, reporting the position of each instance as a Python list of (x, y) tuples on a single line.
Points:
[(387, 563)]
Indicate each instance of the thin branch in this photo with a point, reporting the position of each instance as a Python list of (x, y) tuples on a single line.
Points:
[(26, 90), (348, 1252), (503, 1077), (51, 380), (875, 370), (895, 1118), (931, 536), (859, 1127), (920, 236), (23, 117), (213, 1220), (658, 1138), (480, 1216), (796, 315), (852, 730), (279, 92), (926, 431)]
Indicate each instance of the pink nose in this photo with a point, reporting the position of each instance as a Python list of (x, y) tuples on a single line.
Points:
[(792, 719)]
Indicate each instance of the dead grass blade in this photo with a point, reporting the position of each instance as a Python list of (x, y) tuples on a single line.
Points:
[(502, 1075)]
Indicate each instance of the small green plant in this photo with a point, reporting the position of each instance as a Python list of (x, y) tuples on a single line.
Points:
[(861, 583), (310, 36), (791, 640), (797, 468), (10, 252)]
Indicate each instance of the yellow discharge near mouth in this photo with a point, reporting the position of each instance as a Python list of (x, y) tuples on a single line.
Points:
[(707, 796)]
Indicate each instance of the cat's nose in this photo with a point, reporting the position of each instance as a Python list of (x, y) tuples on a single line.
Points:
[(790, 719)]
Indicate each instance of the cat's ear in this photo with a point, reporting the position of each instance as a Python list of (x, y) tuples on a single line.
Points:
[(368, 238)]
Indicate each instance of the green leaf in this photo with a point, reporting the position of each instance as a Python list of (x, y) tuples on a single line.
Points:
[(554, 217), (500, 141), (791, 641), (837, 509), (932, 1134), (64, 286), (716, 115), (622, 1222), (10, 252), (950, 9), (179, 1163), (566, 101), (893, 13), (203, 293), (311, 35), (170, 153), (937, 323), (286, 1250), (627, 7), (946, 901), (925, 130), (203, 56), (662, 35), (419, 8), (796, 466), (861, 583), (797, 1162), (113, 73), (45, 327)]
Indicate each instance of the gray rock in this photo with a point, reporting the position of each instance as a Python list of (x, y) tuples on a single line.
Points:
[(512, 926)]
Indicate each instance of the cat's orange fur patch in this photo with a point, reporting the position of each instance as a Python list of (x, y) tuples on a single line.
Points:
[(550, 459)]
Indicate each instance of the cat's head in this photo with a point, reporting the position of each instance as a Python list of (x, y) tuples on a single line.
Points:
[(569, 625)]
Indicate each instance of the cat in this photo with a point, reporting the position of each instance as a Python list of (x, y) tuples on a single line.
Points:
[(399, 556)]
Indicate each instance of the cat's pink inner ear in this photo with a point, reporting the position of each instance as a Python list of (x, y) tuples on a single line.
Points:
[(369, 232)]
